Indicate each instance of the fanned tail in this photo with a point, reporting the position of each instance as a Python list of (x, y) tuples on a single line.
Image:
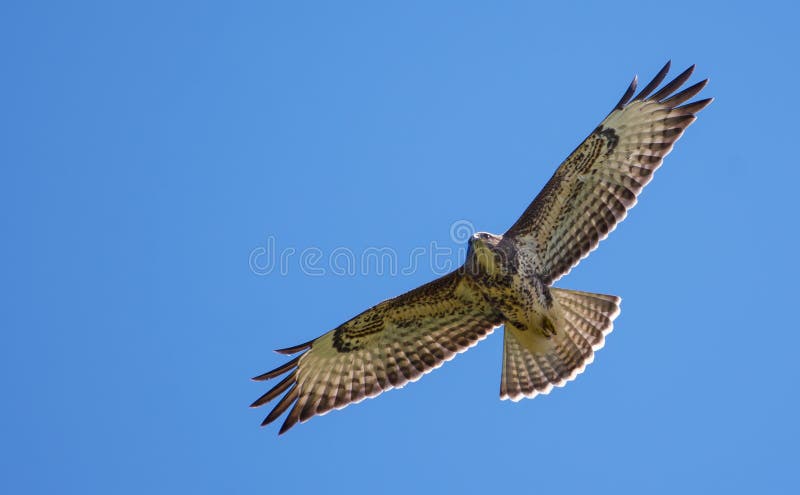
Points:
[(533, 363)]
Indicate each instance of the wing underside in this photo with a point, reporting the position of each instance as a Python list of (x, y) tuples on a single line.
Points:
[(593, 189), (385, 347)]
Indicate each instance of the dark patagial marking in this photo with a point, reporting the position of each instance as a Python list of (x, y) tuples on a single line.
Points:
[(342, 343), (610, 135)]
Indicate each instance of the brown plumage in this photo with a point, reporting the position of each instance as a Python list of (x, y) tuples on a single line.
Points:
[(550, 334)]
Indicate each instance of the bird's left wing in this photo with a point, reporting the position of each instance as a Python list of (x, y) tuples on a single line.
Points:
[(385, 347), (599, 182)]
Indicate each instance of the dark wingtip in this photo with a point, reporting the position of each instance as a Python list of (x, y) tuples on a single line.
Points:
[(281, 406), (276, 390), (291, 419), (295, 349), (277, 371), (696, 106), (286, 426), (628, 94), (685, 95), (673, 85), (653, 84)]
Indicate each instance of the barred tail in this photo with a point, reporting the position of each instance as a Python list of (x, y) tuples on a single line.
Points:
[(533, 363)]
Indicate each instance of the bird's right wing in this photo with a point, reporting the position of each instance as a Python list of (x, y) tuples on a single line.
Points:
[(599, 182), (385, 347)]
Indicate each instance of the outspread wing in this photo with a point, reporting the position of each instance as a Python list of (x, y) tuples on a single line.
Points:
[(599, 182), (385, 347)]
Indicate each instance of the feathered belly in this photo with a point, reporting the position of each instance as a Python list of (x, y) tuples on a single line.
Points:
[(527, 304)]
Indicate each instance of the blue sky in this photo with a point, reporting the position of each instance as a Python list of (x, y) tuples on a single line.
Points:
[(150, 149)]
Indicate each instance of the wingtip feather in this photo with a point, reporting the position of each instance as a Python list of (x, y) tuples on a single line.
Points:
[(276, 390), (295, 349), (695, 106), (277, 371), (653, 84), (291, 419), (281, 406), (685, 95), (673, 85), (628, 94)]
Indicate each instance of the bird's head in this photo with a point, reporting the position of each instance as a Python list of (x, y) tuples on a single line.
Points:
[(483, 254), (481, 239)]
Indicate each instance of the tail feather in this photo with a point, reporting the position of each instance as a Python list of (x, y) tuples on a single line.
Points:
[(533, 363)]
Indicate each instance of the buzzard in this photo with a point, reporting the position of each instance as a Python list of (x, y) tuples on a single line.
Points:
[(551, 334)]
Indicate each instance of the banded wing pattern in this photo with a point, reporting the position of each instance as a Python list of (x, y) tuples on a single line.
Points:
[(593, 189), (385, 347)]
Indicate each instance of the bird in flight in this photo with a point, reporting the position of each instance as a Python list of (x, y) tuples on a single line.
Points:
[(550, 334)]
